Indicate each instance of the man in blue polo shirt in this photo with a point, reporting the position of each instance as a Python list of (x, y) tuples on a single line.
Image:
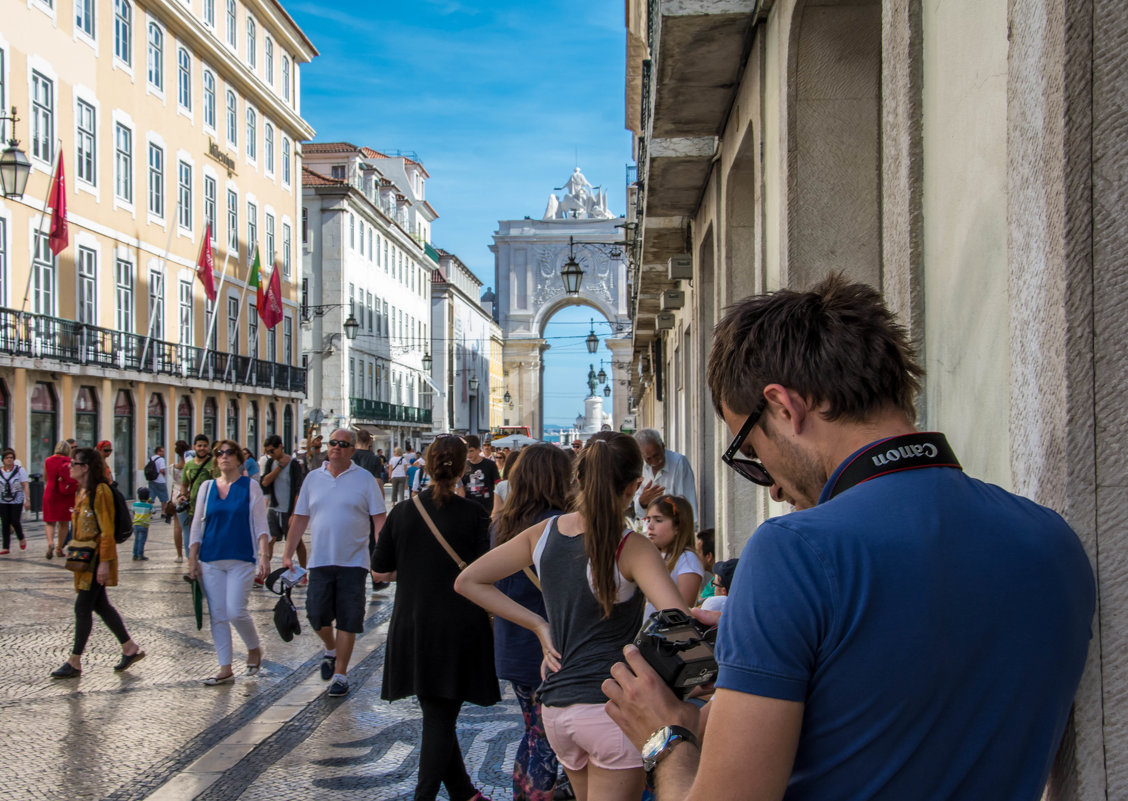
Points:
[(911, 632)]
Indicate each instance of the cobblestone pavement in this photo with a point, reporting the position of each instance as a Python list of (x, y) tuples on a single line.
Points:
[(156, 731)]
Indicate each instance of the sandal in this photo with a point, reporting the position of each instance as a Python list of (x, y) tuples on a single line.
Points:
[(50, 551), (215, 681), (127, 660), (60, 552)]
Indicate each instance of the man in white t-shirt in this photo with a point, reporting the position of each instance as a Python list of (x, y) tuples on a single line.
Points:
[(158, 487), (340, 498)]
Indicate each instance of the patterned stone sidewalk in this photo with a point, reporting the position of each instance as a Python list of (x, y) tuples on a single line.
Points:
[(155, 730)]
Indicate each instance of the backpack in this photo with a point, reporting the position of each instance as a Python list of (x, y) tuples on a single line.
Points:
[(151, 471), (8, 495), (123, 518)]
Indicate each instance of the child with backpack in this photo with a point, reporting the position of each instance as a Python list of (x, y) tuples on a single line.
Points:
[(142, 517)]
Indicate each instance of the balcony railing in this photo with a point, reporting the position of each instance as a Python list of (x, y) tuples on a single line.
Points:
[(37, 336), (374, 411)]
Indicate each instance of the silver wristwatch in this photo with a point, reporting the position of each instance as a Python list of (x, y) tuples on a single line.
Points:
[(661, 742)]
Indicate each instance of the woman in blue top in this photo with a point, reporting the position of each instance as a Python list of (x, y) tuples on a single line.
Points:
[(540, 487), (229, 536)]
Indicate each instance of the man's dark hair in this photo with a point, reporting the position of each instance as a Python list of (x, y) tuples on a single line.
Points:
[(363, 437), (708, 541), (273, 441), (201, 438), (836, 344), (472, 441)]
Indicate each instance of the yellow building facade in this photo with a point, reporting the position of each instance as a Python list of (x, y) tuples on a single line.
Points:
[(169, 115)]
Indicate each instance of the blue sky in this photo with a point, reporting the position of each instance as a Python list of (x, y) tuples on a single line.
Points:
[(499, 99)]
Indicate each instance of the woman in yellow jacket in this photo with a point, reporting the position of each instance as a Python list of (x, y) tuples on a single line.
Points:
[(93, 524)]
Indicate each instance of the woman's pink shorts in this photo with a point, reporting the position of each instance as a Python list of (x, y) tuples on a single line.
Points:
[(583, 732)]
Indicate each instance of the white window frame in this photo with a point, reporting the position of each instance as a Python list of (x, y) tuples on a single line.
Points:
[(209, 109), (251, 117), (85, 142), (86, 285), (123, 164), (233, 220), (231, 111), (124, 294), (184, 80), (252, 35), (184, 193), (154, 67), (155, 183), (42, 116), (123, 45)]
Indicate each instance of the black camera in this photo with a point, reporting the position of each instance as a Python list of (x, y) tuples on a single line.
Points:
[(182, 507), (680, 650)]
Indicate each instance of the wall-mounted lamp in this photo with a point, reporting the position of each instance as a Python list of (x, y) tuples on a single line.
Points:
[(14, 166)]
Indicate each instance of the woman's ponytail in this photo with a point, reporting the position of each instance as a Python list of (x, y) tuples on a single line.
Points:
[(605, 470)]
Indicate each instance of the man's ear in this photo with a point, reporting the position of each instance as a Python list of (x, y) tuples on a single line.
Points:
[(787, 405)]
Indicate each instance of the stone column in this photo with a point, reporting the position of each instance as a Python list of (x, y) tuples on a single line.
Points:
[(621, 351)]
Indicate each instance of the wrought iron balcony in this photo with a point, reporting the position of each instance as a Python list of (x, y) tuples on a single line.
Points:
[(377, 412), (37, 336)]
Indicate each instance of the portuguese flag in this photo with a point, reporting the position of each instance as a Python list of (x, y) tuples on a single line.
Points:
[(255, 283)]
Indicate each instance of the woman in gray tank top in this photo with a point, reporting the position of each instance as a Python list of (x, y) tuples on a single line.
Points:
[(591, 570)]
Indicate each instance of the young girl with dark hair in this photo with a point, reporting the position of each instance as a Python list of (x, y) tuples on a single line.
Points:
[(94, 528), (439, 647), (669, 525), (540, 487), (591, 568)]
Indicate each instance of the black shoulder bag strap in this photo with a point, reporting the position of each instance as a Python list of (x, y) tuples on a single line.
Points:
[(894, 455)]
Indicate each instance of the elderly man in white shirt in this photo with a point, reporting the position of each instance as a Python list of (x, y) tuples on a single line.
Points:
[(665, 472), (340, 497)]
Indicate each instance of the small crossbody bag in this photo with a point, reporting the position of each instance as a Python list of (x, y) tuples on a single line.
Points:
[(438, 535)]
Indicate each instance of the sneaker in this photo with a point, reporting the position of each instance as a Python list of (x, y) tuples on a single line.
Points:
[(259, 582), (136, 558), (338, 688), (328, 667), (4, 552), (23, 545), (143, 558)]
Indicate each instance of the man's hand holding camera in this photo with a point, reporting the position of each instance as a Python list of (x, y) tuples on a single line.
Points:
[(641, 703)]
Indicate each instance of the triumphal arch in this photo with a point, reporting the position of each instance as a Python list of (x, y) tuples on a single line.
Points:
[(530, 256)]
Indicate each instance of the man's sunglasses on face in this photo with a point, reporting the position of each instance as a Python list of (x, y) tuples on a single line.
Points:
[(751, 469), (340, 443)]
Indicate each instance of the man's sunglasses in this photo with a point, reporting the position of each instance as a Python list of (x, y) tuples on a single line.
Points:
[(340, 443), (751, 469)]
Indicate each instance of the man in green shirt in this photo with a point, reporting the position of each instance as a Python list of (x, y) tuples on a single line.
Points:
[(197, 470)]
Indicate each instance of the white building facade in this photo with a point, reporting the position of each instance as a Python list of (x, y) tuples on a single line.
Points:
[(366, 226), (461, 343)]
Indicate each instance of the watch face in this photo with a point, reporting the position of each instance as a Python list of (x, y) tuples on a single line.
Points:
[(655, 743)]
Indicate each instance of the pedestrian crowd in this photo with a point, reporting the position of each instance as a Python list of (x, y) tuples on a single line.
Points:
[(902, 627)]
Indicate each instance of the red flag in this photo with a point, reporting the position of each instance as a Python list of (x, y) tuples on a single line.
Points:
[(271, 312), (205, 265), (58, 238)]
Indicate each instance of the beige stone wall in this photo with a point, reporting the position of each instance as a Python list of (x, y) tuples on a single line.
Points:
[(1003, 151), (966, 329)]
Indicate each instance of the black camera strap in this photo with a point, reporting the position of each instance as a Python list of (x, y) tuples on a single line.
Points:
[(894, 455)]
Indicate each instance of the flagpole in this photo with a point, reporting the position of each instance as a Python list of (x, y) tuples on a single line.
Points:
[(238, 319), (39, 225), (215, 313), (250, 359), (164, 267)]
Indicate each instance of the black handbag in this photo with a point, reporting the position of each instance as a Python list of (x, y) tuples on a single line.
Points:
[(80, 558)]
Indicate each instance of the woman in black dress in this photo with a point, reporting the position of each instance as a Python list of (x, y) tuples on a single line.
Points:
[(440, 647)]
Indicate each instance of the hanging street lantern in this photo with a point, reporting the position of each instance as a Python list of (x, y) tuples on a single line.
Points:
[(592, 340), (351, 327), (427, 362)]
